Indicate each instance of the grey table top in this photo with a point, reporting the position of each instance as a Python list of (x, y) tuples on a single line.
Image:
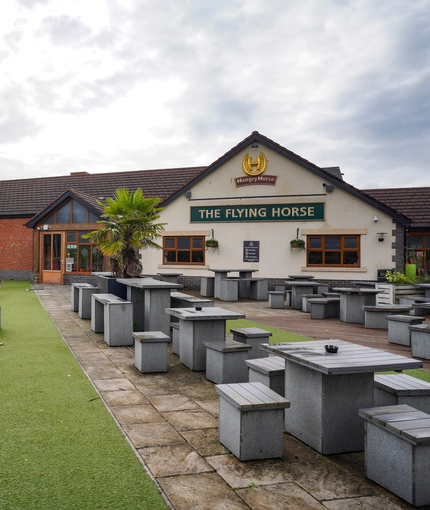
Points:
[(243, 270), (149, 283), (356, 290), (350, 358), (205, 314)]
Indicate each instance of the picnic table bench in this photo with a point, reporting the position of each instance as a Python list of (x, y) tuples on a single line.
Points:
[(397, 451), (269, 371), (112, 316), (251, 420), (398, 328), (375, 317), (394, 389)]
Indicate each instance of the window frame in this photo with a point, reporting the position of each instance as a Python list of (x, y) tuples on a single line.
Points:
[(342, 249), (420, 256), (177, 250), (78, 245)]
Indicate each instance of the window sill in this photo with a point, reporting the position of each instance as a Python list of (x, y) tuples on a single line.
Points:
[(334, 269)]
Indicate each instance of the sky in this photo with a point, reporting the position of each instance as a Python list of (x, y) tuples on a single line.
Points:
[(119, 85)]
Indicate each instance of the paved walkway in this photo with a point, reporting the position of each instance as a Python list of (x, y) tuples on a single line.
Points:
[(171, 422)]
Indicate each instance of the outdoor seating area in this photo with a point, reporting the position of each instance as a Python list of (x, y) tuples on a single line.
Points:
[(259, 384)]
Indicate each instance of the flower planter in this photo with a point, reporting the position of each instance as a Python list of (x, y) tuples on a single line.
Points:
[(108, 284)]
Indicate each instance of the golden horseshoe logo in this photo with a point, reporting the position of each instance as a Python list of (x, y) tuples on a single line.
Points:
[(254, 167)]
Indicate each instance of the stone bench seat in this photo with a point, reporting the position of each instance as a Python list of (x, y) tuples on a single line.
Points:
[(277, 299), (75, 287), (207, 284), (112, 316), (225, 361), (305, 301), (324, 308), (251, 420), (395, 389), (254, 337), (420, 341), (84, 308), (422, 308), (269, 371), (412, 299), (397, 451), (150, 351), (375, 317), (259, 289), (398, 328), (229, 289)]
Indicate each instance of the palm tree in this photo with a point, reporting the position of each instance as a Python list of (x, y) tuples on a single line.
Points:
[(128, 224)]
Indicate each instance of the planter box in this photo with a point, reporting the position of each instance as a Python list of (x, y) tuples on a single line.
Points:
[(108, 285), (391, 292)]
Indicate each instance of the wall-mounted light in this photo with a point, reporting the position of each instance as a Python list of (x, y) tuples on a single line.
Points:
[(188, 194), (381, 236), (328, 187), (45, 227), (254, 145), (375, 218)]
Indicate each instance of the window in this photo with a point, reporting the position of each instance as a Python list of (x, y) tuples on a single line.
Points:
[(184, 250), (81, 255), (71, 212), (418, 252), (333, 251)]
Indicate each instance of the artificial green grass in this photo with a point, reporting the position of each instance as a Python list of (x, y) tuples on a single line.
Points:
[(278, 335), (59, 446)]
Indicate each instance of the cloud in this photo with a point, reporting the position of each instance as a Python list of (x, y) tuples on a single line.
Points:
[(148, 84)]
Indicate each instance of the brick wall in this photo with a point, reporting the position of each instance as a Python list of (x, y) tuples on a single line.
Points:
[(16, 246)]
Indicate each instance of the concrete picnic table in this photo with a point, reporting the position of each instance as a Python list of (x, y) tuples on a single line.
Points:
[(326, 390), (197, 327), (150, 298), (222, 274), (352, 302), (298, 288)]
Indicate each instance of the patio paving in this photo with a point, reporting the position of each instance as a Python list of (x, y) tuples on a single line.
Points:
[(170, 420)]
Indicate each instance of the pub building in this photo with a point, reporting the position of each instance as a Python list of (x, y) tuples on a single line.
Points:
[(255, 201)]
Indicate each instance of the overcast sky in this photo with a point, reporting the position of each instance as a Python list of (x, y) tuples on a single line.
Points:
[(118, 85)]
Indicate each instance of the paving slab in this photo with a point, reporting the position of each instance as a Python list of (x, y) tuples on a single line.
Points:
[(152, 434), (136, 414), (174, 460), (203, 492), (287, 495)]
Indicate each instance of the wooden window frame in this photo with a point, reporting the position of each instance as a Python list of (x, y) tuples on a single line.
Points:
[(342, 250), (177, 250)]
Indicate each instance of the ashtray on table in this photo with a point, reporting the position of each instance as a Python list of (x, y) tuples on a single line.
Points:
[(198, 308), (331, 348)]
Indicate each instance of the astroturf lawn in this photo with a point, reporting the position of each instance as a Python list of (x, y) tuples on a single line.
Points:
[(278, 335), (60, 448)]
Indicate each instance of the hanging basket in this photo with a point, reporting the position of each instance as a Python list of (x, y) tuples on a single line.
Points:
[(212, 243), (297, 244)]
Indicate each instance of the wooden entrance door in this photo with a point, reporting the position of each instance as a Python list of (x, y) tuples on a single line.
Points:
[(52, 263)]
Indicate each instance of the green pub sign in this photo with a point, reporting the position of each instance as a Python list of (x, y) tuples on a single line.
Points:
[(273, 212)]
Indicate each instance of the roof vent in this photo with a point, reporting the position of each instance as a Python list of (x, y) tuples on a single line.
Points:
[(79, 173)]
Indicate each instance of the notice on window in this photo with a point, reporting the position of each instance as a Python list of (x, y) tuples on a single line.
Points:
[(251, 251)]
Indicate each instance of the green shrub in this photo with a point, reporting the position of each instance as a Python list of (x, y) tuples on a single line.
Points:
[(397, 277)]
